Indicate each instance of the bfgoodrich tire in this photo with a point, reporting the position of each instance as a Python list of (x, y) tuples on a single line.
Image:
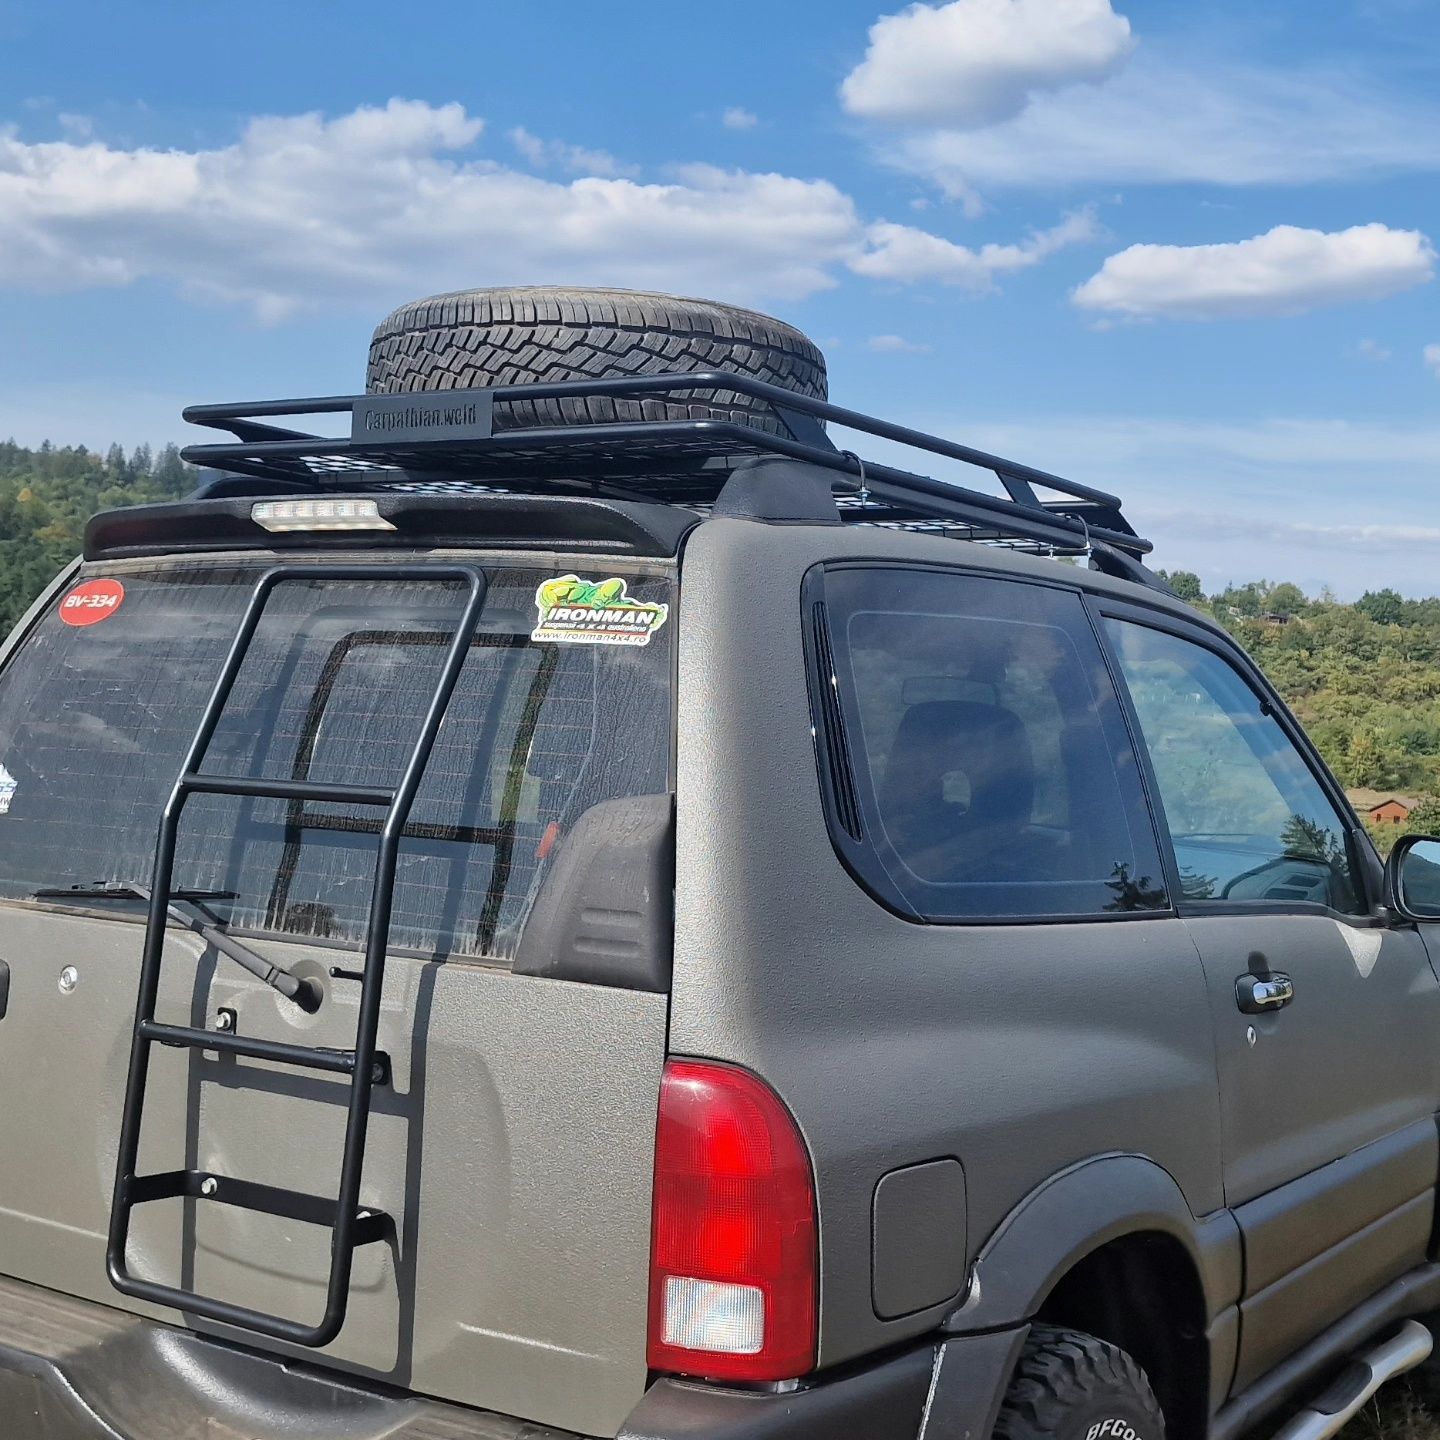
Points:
[(478, 338), (1070, 1386)]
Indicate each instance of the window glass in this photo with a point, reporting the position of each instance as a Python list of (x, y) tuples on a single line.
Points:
[(95, 720), (995, 777), (1248, 818), (1420, 879)]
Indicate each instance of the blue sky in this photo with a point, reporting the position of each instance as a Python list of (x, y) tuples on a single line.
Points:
[(1186, 253)]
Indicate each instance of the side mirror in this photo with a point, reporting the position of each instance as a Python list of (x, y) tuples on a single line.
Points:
[(1412, 878)]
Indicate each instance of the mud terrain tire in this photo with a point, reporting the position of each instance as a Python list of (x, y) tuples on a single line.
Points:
[(478, 338), (1069, 1386)]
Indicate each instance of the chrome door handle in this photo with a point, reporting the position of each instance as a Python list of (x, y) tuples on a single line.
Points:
[(1256, 994)]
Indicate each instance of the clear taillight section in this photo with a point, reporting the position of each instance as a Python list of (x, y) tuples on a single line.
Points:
[(733, 1263)]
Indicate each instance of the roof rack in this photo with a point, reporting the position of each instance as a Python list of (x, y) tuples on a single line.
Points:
[(447, 441)]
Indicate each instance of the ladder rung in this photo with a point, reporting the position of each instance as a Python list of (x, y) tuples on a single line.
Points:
[(310, 1057), (367, 1226), (316, 790)]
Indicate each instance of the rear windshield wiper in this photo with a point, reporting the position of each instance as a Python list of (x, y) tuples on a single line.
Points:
[(101, 891), (303, 992)]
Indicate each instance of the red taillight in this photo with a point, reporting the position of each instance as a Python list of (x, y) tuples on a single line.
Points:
[(733, 1274)]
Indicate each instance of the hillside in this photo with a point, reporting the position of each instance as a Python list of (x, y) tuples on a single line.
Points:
[(46, 495), (1364, 678)]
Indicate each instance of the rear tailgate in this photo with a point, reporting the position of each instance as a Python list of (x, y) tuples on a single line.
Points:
[(512, 1149)]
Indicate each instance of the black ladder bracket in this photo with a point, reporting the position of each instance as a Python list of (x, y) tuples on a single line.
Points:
[(364, 1066), (227, 1042), (368, 1226)]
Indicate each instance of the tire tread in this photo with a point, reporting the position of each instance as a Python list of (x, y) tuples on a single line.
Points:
[(1060, 1371), (526, 336)]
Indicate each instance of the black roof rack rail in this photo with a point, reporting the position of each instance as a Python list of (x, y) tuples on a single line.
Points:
[(446, 441)]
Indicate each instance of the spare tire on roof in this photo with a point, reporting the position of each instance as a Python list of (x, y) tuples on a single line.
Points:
[(475, 338)]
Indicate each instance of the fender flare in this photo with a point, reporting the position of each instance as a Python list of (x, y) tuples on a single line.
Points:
[(1073, 1214)]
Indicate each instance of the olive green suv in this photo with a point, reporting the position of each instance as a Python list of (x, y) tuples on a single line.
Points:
[(566, 902)]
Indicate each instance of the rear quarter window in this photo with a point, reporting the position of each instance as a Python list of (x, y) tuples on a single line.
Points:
[(992, 771), (95, 720)]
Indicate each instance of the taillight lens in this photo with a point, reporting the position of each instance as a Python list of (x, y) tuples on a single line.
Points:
[(733, 1264)]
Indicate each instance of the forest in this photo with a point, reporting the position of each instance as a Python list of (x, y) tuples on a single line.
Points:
[(47, 495), (1364, 678)]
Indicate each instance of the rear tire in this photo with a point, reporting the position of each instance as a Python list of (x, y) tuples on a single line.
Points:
[(1070, 1386), (476, 338)]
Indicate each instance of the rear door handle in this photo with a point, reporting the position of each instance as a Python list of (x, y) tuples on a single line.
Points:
[(1255, 994)]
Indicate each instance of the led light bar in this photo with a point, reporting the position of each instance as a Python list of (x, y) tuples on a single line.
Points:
[(339, 514)]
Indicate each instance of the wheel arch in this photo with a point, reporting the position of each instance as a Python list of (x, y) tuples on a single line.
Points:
[(1110, 1247), (1141, 1292)]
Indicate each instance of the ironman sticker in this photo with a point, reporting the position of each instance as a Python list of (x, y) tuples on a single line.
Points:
[(92, 602)]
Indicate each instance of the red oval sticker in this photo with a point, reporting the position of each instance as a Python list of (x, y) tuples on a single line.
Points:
[(92, 602)]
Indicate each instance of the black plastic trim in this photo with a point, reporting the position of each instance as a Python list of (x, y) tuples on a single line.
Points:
[(605, 914), (782, 492), (882, 1402), (1416, 1293), (620, 527), (1074, 1213), (836, 773)]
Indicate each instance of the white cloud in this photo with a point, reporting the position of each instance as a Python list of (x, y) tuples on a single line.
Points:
[(577, 159), (1431, 356), (737, 117), (1285, 271), (384, 203), (1175, 119), (896, 345), (903, 253), (1373, 350), (974, 63)]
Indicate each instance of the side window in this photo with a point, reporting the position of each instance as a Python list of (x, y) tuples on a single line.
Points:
[(1247, 817), (992, 774)]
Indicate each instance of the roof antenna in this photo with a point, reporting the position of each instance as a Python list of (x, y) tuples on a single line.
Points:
[(863, 492)]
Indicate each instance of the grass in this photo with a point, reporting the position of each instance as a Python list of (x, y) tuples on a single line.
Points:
[(1394, 1414)]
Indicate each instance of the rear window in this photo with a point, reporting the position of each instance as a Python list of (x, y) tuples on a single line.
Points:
[(99, 706), (992, 771)]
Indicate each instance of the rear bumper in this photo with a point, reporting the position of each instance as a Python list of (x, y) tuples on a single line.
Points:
[(72, 1370)]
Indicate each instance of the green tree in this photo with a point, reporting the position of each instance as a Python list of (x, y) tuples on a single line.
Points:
[(1365, 759), (1185, 583), (47, 495), (1425, 818), (1286, 599), (1385, 607)]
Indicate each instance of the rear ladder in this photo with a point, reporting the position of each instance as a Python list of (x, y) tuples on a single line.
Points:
[(350, 1226)]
